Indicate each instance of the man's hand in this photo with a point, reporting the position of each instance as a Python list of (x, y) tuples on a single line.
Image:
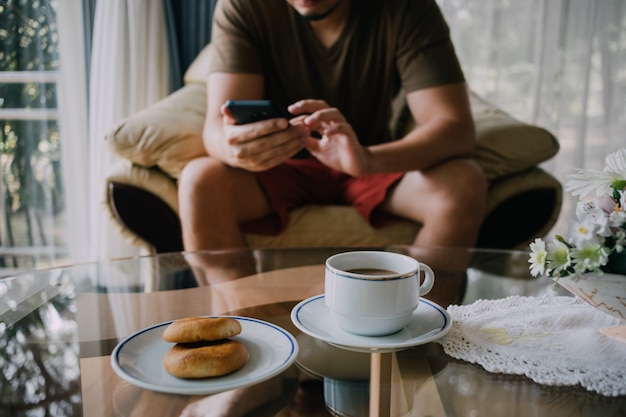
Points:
[(261, 145), (339, 147)]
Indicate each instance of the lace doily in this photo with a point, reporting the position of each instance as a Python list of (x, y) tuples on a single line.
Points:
[(551, 340)]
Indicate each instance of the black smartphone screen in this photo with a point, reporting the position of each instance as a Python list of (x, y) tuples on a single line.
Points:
[(249, 111)]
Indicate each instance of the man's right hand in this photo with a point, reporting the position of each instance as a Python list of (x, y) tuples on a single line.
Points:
[(261, 145)]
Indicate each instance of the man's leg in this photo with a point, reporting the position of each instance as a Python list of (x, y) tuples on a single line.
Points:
[(213, 200), (448, 200)]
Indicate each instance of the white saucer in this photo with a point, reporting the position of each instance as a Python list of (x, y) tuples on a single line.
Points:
[(139, 359), (429, 322)]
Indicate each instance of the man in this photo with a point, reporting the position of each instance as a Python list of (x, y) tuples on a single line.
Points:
[(336, 64)]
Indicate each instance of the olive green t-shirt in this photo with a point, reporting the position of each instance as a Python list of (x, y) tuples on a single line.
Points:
[(385, 46)]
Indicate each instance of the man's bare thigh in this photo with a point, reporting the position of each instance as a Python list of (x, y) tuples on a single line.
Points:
[(244, 191), (419, 193)]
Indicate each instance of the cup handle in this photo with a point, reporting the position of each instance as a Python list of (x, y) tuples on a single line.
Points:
[(429, 279)]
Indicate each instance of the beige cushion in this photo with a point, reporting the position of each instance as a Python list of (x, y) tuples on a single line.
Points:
[(316, 225), (505, 144), (168, 134), (198, 71)]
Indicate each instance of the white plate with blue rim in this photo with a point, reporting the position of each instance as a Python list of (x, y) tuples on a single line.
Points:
[(138, 359), (428, 323)]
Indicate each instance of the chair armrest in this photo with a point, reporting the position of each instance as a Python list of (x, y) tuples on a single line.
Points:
[(142, 204), (520, 207)]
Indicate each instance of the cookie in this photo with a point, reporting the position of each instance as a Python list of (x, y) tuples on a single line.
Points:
[(199, 329), (205, 359)]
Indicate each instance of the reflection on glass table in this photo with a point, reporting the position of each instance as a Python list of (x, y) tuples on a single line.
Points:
[(58, 328)]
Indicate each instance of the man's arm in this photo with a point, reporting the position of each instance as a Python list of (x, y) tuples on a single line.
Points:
[(444, 130), (255, 146)]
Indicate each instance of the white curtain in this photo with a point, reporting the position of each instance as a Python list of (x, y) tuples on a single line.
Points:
[(560, 64), (72, 105), (129, 71)]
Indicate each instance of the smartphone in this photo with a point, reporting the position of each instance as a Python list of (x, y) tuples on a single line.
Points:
[(249, 111)]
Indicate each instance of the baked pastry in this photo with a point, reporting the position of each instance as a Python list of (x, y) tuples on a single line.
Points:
[(201, 329), (205, 359)]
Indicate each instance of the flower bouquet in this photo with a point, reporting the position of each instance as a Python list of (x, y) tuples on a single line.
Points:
[(592, 260)]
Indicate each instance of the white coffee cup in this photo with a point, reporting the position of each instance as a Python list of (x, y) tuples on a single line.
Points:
[(374, 293)]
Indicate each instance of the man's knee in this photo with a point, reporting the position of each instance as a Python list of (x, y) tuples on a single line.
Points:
[(199, 175), (459, 186), (469, 188), (454, 189), (472, 178)]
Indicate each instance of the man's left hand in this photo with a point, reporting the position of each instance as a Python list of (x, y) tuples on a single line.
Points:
[(338, 148)]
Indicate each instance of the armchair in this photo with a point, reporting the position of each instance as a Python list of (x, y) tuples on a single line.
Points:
[(155, 144)]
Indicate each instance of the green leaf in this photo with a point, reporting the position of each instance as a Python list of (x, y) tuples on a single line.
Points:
[(618, 185)]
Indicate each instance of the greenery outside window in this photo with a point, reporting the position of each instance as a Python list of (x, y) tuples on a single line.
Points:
[(31, 191)]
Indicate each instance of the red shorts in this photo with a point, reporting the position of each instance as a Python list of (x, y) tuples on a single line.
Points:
[(299, 182)]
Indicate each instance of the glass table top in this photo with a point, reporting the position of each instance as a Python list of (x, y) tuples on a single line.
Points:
[(59, 327)]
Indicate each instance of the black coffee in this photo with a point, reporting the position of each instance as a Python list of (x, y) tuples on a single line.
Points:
[(371, 271)]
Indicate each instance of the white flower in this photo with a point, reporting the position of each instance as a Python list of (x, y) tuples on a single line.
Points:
[(592, 221), (616, 164), (590, 256), (606, 204), (584, 232), (538, 257), (617, 219), (558, 257), (585, 181), (586, 209), (601, 229)]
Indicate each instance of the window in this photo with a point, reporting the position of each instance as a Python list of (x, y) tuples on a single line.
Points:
[(31, 191)]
